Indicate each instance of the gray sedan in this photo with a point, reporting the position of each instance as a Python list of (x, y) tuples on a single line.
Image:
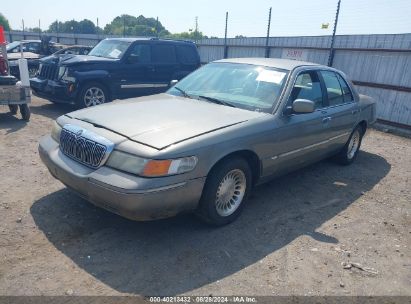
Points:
[(205, 143)]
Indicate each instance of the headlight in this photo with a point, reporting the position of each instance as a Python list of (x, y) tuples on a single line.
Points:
[(39, 70), (55, 132), (65, 75), (62, 71), (150, 168)]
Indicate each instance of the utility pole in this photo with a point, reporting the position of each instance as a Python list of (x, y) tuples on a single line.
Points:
[(157, 27), (331, 55), (98, 32), (124, 26), (267, 48), (196, 29), (24, 35), (57, 29), (39, 29), (225, 36)]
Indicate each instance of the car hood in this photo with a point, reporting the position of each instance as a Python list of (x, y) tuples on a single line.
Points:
[(69, 59), (161, 120)]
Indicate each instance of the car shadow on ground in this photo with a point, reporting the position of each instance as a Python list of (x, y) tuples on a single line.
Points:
[(181, 254), (52, 110), (11, 123)]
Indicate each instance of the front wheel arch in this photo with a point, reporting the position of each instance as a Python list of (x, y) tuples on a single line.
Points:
[(249, 156)]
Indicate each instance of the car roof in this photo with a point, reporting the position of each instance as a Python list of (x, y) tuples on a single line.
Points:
[(151, 39), (32, 40), (286, 64)]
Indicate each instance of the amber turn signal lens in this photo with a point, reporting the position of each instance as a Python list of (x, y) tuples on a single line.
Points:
[(157, 168)]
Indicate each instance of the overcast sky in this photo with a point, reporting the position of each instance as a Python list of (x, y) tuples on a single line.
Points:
[(246, 17)]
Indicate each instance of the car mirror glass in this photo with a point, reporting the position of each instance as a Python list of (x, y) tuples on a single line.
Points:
[(303, 106), (173, 82)]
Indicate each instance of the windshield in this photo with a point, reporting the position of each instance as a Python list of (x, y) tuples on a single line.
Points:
[(12, 45), (250, 87), (110, 49)]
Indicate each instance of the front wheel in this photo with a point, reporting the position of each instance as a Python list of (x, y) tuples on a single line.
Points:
[(225, 192), (91, 94), (350, 151)]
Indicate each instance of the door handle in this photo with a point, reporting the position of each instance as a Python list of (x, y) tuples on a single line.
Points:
[(327, 119)]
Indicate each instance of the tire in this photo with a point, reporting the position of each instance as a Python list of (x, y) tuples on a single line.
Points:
[(13, 109), (91, 94), (225, 192), (350, 151), (25, 112)]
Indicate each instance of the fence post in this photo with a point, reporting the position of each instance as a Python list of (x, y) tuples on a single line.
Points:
[(267, 48), (331, 55), (225, 37)]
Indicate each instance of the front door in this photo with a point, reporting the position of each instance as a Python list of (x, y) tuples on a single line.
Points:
[(300, 138), (132, 75)]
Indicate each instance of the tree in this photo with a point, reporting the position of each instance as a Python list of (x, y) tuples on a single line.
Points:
[(190, 35), (135, 26), (4, 22), (81, 27)]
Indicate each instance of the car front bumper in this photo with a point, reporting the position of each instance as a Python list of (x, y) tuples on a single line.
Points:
[(52, 90), (128, 201)]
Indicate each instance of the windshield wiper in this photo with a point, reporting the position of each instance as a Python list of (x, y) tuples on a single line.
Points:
[(216, 100), (182, 92)]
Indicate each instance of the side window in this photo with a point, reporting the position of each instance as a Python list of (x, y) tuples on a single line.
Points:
[(186, 54), (334, 92), (163, 53), (32, 47), (308, 86), (140, 53), (347, 94)]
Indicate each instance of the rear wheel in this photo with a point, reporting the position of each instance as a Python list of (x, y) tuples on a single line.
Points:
[(350, 151), (92, 94), (13, 109), (25, 112), (225, 192)]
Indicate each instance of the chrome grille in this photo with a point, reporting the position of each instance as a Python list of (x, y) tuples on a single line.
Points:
[(84, 146)]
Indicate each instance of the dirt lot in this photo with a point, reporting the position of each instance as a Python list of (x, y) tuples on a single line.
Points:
[(292, 238)]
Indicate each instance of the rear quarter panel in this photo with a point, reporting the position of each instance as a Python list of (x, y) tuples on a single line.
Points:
[(368, 108)]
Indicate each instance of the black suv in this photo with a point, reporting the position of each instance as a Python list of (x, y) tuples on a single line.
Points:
[(115, 68)]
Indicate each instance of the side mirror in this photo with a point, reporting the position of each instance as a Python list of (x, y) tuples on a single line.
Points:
[(173, 82), (303, 106)]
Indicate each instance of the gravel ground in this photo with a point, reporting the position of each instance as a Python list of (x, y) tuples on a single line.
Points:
[(324, 230)]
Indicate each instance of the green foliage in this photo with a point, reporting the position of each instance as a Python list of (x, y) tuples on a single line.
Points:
[(135, 26), (126, 25), (191, 35), (80, 27), (4, 22), (33, 29)]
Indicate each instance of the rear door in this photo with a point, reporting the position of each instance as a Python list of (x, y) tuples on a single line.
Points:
[(163, 65), (342, 109), (188, 59)]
